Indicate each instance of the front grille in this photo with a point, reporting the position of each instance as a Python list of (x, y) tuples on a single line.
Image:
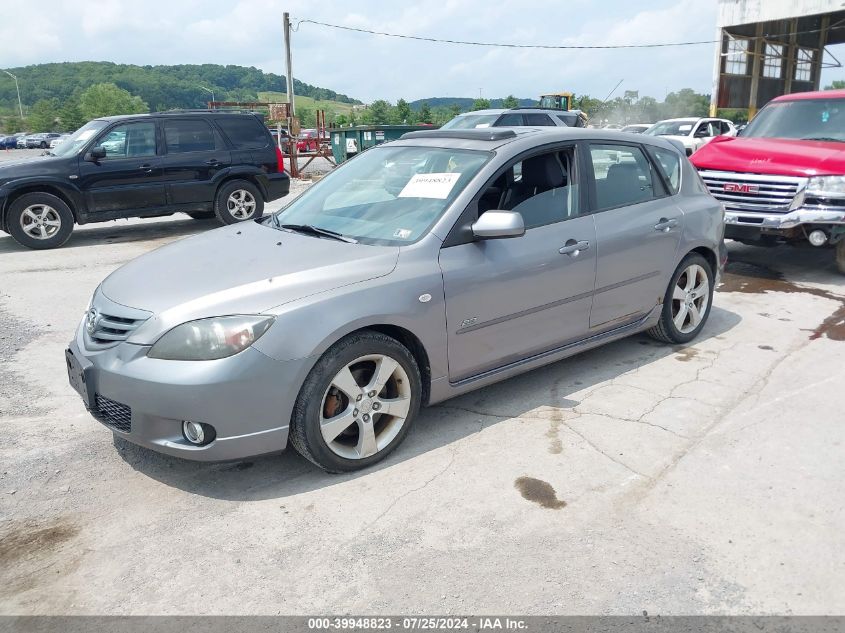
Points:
[(113, 329), (753, 192), (113, 414)]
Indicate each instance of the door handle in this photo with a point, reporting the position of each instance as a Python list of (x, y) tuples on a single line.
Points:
[(146, 167), (213, 162), (665, 224), (573, 248)]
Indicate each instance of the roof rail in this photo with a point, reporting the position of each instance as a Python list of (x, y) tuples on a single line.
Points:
[(483, 134), (206, 111)]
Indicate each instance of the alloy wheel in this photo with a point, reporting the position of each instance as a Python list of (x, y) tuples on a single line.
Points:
[(365, 406), (690, 298), (40, 221), (241, 204)]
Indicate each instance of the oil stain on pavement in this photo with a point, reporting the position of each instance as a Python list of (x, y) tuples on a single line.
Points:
[(540, 492), (745, 277)]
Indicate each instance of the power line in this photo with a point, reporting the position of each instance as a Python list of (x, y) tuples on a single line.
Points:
[(499, 44), (549, 46)]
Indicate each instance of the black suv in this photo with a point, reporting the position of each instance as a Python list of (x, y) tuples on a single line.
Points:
[(203, 163)]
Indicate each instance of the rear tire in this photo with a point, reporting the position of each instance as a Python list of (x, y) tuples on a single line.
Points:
[(687, 302), (840, 255), (336, 423), (39, 221), (238, 201)]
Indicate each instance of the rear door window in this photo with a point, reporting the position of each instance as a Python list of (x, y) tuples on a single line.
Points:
[(670, 164), (537, 118), (623, 175), (244, 132), (188, 135)]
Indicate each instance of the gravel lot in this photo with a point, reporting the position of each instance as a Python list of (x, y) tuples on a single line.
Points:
[(687, 480)]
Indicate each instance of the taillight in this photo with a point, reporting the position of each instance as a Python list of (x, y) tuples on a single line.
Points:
[(280, 160)]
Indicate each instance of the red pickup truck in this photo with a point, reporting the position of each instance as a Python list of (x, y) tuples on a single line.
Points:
[(783, 178)]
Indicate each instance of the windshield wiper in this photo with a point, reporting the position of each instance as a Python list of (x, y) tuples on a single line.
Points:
[(822, 138), (316, 230)]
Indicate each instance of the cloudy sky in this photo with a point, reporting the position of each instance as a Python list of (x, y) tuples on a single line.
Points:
[(249, 33)]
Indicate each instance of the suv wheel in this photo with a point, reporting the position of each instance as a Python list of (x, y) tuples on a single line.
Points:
[(237, 201), (202, 215), (40, 221), (840, 256), (686, 305), (43, 144), (357, 404)]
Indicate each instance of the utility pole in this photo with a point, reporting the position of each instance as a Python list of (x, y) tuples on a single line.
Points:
[(208, 90), (20, 106), (294, 161), (289, 64)]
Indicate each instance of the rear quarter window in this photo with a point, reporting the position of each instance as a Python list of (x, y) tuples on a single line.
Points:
[(244, 133)]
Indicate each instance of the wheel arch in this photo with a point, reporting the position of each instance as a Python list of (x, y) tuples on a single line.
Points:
[(248, 176), (47, 188), (710, 255)]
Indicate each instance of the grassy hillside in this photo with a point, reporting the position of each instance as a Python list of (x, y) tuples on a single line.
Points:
[(331, 107), (161, 87)]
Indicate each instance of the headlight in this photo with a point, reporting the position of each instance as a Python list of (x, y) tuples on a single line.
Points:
[(826, 187), (210, 339)]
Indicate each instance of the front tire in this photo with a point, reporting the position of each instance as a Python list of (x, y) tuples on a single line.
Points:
[(840, 256), (687, 302), (238, 201), (202, 215), (357, 403), (39, 221)]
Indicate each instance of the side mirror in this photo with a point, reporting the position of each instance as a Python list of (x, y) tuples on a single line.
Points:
[(96, 154), (494, 225)]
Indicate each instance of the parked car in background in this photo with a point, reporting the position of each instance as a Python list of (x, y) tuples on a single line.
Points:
[(58, 140), (307, 141), (206, 164), (9, 141), (284, 143), (41, 140), (21, 144), (420, 270), (693, 133), (636, 128), (783, 180), (516, 117)]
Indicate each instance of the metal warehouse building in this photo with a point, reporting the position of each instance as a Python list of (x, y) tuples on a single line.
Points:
[(772, 47)]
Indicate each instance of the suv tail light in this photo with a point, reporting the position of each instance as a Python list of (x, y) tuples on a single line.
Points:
[(280, 161)]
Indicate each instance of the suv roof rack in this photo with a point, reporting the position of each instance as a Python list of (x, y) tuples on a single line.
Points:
[(206, 111), (486, 134)]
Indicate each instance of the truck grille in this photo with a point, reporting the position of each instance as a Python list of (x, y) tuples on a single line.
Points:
[(113, 414), (752, 192)]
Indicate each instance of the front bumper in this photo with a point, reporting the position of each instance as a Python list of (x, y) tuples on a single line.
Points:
[(746, 222), (248, 398)]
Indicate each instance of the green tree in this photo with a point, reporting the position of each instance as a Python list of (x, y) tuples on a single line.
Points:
[(71, 116), (481, 104), (378, 112), (307, 117), (403, 112), (454, 110), (42, 116), (13, 124), (836, 85), (107, 99), (425, 113), (686, 102), (510, 102), (340, 120)]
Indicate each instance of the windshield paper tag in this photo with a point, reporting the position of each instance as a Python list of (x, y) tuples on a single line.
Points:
[(429, 186), (402, 234)]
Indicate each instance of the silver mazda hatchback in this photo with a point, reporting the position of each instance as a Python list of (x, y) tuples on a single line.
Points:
[(419, 270)]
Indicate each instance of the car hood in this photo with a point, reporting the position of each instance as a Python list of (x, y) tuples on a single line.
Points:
[(785, 157), (686, 140), (9, 170), (246, 268)]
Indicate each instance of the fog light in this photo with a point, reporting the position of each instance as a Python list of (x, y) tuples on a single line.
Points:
[(197, 433), (817, 237)]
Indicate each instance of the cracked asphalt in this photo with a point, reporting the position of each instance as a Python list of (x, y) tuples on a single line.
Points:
[(677, 480)]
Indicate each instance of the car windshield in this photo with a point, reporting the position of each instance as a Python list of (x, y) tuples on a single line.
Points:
[(809, 119), (470, 121), (387, 195), (670, 128), (73, 143)]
